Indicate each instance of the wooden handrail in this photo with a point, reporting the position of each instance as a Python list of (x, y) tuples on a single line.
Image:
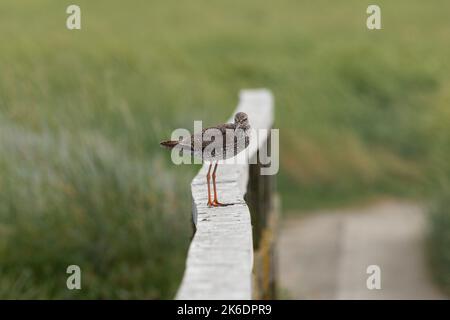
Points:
[(220, 261)]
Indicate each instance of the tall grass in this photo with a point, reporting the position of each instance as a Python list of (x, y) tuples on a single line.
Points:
[(82, 200), (439, 241)]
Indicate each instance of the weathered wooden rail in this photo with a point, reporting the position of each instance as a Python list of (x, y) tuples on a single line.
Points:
[(228, 258)]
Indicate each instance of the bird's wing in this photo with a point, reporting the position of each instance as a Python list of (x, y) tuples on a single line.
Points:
[(204, 138)]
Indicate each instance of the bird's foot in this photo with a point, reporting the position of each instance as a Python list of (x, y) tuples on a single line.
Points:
[(216, 203)]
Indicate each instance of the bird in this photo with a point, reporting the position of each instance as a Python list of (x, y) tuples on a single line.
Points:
[(199, 145)]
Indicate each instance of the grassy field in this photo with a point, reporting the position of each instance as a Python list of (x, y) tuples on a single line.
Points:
[(82, 178)]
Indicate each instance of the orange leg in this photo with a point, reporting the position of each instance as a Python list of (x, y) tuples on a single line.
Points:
[(216, 202), (208, 177)]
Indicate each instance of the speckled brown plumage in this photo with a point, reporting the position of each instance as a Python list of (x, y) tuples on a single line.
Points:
[(201, 145)]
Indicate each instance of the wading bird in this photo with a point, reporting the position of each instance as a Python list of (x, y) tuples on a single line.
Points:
[(217, 143)]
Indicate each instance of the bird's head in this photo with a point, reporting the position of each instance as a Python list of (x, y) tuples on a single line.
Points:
[(241, 121)]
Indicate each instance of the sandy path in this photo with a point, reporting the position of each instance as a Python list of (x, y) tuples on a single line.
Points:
[(325, 255)]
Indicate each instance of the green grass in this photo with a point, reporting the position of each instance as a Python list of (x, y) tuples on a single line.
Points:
[(82, 178)]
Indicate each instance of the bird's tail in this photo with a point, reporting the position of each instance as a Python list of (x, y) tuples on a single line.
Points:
[(169, 144)]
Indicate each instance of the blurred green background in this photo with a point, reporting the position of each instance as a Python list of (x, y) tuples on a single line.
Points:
[(362, 114)]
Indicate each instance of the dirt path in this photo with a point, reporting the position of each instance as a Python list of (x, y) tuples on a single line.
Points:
[(325, 255)]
